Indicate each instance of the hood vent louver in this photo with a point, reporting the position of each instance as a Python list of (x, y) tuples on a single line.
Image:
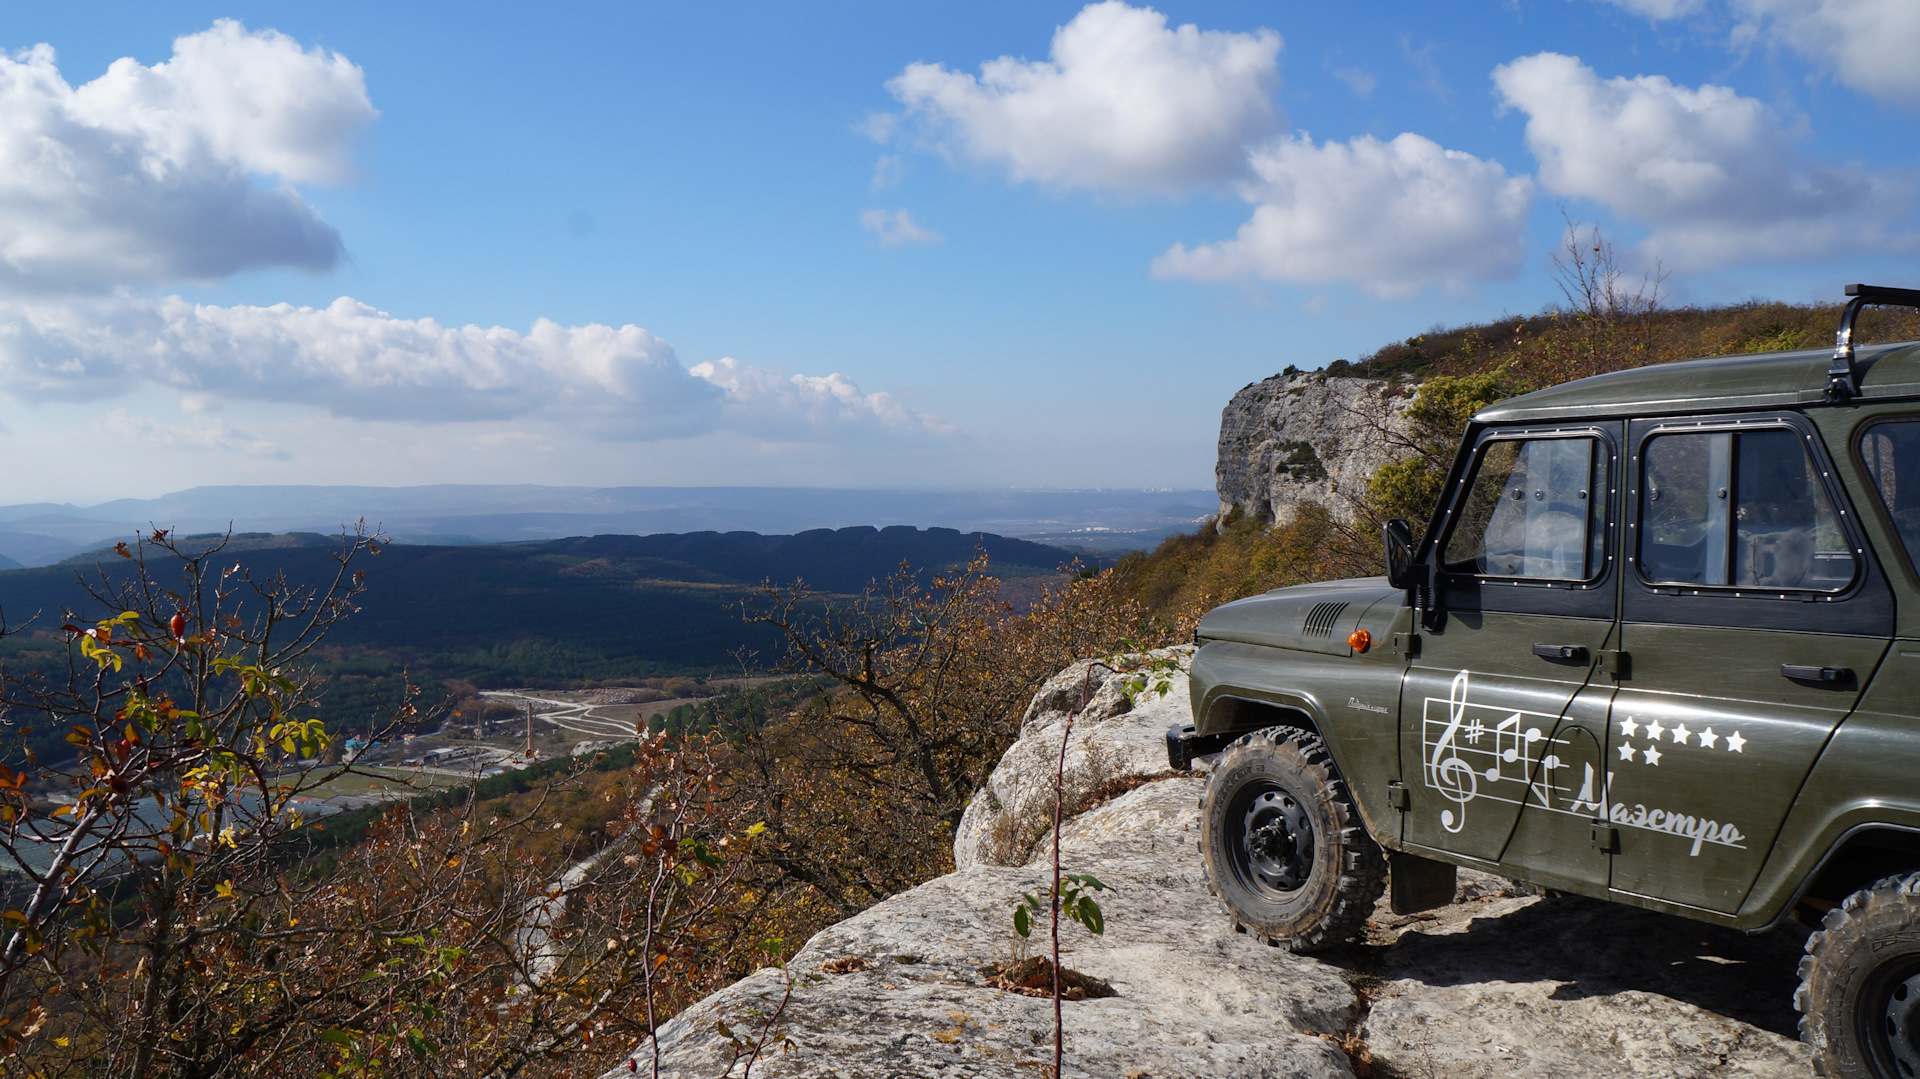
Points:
[(1321, 619)]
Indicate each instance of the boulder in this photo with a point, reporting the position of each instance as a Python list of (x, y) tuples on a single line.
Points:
[(1115, 736)]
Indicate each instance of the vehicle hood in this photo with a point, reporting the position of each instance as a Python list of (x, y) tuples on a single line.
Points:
[(1308, 617)]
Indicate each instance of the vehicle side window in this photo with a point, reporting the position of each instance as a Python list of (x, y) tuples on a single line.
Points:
[(1534, 509), (1739, 508), (1891, 453)]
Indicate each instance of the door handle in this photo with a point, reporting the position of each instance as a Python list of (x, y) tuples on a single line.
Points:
[(1566, 653), (1823, 675)]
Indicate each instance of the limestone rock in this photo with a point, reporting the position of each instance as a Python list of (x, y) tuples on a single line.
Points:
[(1530, 986), (1111, 738), (1504, 982), (1292, 439), (1195, 999)]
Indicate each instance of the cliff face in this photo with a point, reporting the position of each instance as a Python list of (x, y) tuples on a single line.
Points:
[(1502, 983), (1292, 439)]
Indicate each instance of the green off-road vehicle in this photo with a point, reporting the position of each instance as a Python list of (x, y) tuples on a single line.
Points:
[(1659, 644)]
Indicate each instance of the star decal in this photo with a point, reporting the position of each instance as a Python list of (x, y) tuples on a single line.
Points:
[(1652, 755), (1681, 734), (1708, 738), (1734, 742), (1655, 730), (1628, 728), (1626, 751)]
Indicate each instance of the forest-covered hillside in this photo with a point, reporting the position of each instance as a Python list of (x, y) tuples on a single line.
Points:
[(561, 613), (590, 608)]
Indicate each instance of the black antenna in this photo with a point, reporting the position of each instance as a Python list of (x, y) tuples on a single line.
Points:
[(1843, 379)]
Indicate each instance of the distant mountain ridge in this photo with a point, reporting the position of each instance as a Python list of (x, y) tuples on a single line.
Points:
[(45, 532), (596, 607), (841, 560)]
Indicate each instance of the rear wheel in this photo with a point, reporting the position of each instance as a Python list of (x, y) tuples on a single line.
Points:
[(1284, 847), (1859, 995)]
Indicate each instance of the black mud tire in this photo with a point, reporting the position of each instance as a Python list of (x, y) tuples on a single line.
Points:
[(1285, 850), (1859, 994)]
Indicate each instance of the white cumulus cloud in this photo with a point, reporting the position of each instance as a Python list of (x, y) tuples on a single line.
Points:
[(154, 174), (1124, 102), (1866, 44), (358, 362), (1392, 217), (779, 406), (1869, 45), (1715, 176), (897, 228), (185, 170)]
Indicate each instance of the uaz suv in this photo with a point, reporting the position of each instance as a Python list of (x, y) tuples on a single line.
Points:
[(1659, 644)]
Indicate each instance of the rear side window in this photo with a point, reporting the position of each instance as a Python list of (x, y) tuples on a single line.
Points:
[(1740, 509), (1534, 509), (1891, 453)]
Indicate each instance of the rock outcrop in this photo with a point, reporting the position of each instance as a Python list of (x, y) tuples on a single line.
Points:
[(1113, 737), (1299, 438), (1499, 984)]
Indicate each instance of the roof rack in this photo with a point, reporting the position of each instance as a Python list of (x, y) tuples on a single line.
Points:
[(1843, 379)]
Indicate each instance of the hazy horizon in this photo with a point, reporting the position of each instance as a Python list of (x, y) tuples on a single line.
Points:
[(37, 533)]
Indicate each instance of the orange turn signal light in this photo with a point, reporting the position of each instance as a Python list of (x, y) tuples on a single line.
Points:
[(1360, 639)]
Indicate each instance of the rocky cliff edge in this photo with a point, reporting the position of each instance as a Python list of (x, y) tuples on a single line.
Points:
[(1498, 984)]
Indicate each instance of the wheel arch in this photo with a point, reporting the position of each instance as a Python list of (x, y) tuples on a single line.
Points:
[(1860, 857), (1230, 713)]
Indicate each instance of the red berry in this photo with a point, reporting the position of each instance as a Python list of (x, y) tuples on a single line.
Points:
[(178, 626)]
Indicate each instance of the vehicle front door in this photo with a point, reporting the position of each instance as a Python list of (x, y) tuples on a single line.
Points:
[(1524, 577), (1752, 617)]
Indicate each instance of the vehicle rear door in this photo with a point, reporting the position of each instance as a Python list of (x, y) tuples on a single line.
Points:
[(1752, 615)]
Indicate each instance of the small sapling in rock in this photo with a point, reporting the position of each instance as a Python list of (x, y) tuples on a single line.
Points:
[(1076, 902)]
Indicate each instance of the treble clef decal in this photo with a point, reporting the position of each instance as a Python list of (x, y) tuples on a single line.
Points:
[(1451, 776)]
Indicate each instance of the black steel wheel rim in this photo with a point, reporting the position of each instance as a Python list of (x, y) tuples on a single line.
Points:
[(1889, 1019), (1272, 840)]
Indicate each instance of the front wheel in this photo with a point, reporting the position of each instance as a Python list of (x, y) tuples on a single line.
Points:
[(1284, 847), (1859, 995)]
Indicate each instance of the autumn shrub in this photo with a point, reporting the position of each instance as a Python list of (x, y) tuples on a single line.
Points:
[(1187, 575), (172, 914), (443, 943), (1408, 485), (928, 679)]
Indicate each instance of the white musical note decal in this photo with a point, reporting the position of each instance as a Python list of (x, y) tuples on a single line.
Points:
[(1446, 772), (1463, 766), (1522, 765)]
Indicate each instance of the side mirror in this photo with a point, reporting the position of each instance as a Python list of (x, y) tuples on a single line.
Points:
[(1401, 572)]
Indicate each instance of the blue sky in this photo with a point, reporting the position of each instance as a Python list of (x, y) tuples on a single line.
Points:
[(820, 245)]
